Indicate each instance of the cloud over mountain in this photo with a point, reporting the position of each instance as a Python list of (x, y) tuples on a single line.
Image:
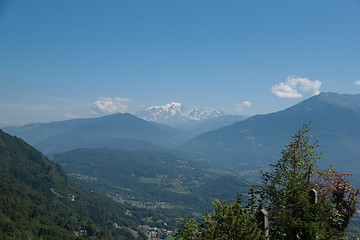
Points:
[(295, 86), (111, 105), (71, 116), (242, 106)]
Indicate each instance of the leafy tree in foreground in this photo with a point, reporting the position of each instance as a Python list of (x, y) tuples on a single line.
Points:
[(336, 188), (230, 220), (284, 193)]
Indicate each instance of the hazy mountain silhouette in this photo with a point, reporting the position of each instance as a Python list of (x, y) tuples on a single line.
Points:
[(122, 131), (257, 141)]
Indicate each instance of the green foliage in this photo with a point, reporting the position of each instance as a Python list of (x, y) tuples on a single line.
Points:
[(229, 220)]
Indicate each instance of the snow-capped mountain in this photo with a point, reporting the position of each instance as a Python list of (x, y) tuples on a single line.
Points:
[(199, 114), (175, 114)]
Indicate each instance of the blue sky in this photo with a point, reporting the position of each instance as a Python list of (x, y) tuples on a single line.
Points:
[(85, 58)]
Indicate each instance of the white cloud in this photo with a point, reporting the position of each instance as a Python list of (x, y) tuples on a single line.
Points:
[(285, 91), (357, 82), (111, 105), (71, 116), (242, 106), (295, 86)]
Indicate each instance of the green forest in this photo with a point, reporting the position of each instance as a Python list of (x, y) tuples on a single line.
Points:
[(39, 201)]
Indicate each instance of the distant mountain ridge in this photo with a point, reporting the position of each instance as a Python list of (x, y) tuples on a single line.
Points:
[(36, 132)]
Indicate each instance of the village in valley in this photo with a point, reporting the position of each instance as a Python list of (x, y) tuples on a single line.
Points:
[(156, 233)]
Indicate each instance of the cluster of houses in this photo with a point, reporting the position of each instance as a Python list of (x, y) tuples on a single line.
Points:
[(155, 232), (148, 205), (115, 197), (84, 232), (71, 197), (154, 205)]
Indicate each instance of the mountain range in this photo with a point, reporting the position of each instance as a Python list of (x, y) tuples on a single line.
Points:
[(176, 113), (123, 130), (242, 147), (193, 120)]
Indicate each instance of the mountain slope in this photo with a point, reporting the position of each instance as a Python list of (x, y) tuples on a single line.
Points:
[(39, 201), (348, 101), (257, 141)]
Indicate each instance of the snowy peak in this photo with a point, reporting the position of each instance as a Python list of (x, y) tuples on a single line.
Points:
[(166, 111), (162, 113), (175, 113), (199, 114)]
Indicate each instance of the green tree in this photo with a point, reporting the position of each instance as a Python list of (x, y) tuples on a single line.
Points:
[(229, 220), (284, 192)]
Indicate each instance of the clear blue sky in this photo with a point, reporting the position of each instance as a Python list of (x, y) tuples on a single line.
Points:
[(83, 58)]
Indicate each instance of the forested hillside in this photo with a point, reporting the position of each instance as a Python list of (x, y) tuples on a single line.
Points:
[(39, 201)]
